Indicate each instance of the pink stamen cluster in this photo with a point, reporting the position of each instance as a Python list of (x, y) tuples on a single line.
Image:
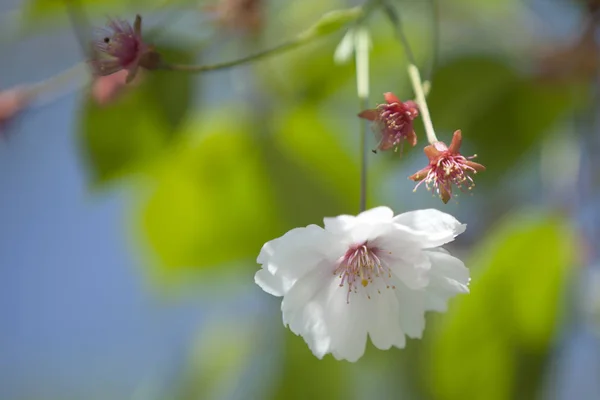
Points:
[(447, 167), (393, 122), (360, 265), (120, 46)]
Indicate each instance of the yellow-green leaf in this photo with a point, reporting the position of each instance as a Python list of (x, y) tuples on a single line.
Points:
[(505, 326)]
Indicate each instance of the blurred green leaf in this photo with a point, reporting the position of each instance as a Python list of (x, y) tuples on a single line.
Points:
[(36, 12), (211, 202), (495, 108), (221, 355), (311, 170), (493, 341), (332, 21), (304, 376), (307, 73), (121, 137)]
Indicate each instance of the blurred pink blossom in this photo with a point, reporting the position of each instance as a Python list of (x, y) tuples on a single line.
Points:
[(12, 101), (107, 89)]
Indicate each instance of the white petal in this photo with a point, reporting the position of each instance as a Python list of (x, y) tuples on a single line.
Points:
[(316, 308), (269, 283), (412, 310), (448, 277), (377, 214), (297, 252), (304, 310), (445, 265), (398, 239), (339, 225), (413, 273), (384, 328), (440, 227), (348, 323), (346, 223), (302, 293)]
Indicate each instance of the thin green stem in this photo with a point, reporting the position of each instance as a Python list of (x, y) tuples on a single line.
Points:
[(361, 51), (233, 63), (80, 24), (435, 33), (329, 24), (364, 103), (415, 79), (413, 73)]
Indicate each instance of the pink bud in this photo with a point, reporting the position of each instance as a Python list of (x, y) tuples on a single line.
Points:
[(12, 101)]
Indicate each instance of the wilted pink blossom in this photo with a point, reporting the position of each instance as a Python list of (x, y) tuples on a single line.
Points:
[(393, 122), (120, 46), (447, 167)]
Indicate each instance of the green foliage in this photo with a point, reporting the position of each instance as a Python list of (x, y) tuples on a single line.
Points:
[(493, 342), (306, 74), (224, 190), (211, 202), (221, 354), (306, 377), (41, 12), (332, 22), (307, 140), (120, 138)]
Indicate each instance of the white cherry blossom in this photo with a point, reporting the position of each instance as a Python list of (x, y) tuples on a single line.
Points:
[(372, 274)]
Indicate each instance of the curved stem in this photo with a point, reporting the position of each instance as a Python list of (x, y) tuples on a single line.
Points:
[(364, 103), (330, 23), (415, 79), (413, 73), (361, 51), (435, 29), (80, 24), (233, 63), (60, 80)]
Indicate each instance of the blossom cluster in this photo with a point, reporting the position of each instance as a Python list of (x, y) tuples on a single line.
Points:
[(373, 275)]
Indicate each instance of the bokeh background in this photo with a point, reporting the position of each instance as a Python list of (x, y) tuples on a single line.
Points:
[(129, 229)]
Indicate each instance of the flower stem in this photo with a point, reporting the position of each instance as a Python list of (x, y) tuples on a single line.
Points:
[(328, 24), (413, 72), (415, 79), (364, 103), (75, 74), (80, 24), (361, 51), (233, 63)]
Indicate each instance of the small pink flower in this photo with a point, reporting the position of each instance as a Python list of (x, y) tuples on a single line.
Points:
[(120, 47), (393, 122), (447, 167), (12, 101)]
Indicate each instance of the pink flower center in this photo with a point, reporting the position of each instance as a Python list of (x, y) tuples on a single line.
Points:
[(396, 120), (450, 169), (360, 266)]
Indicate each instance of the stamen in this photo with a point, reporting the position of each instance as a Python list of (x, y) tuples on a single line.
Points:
[(361, 264)]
